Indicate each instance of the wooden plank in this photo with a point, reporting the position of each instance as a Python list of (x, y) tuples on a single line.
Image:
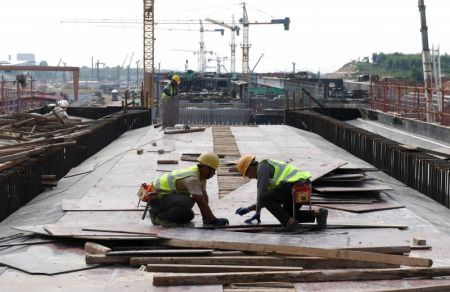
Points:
[(84, 205), (95, 248), (246, 242), (91, 259), (167, 161), (161, 252), (429, 288), (297, 276), (174, 268), (181, 131), (330, 225), (305, 262)]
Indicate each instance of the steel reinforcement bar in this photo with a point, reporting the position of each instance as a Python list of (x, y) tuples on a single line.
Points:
[(427, 174), (21, 183)]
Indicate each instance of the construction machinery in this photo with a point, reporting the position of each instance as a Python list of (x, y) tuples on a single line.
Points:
[(246, 46), (234, 31)]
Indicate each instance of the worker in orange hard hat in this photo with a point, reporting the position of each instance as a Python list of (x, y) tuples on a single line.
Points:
[(170, 104), (179, 190), (276, 185)]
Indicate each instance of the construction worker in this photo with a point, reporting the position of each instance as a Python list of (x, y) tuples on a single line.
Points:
[(275, 180), (170, 103), (179, 190)]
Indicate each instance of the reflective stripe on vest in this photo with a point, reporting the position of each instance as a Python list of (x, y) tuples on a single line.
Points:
[(285, 173), (167, 182)]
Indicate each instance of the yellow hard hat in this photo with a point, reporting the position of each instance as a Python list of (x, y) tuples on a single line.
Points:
[(210, 159), (176, 78), (244, 162)]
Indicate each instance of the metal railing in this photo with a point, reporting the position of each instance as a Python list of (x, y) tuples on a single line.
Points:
[(409, 101), (419, 170)]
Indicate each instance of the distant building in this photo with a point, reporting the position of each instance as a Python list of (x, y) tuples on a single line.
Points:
[(26, 57)]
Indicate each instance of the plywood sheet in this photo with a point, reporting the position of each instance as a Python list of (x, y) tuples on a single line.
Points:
[(106, 198), (48, 259), (365, 186), (384, 203)]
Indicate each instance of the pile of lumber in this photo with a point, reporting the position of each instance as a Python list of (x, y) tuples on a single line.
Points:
[(186, 257), (24, 135)]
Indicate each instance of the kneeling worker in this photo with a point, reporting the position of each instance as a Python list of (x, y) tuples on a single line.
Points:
[(179, 190), (275, 180)]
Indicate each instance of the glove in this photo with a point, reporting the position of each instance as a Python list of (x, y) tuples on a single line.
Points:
[(242, 211), (256, 217), (216, 222)]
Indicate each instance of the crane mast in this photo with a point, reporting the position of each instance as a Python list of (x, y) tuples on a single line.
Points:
[(148, 87), (245, 53)]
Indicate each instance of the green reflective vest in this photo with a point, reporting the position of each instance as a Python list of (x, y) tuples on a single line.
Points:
[(168, 90), (167, 183), (285, 173)]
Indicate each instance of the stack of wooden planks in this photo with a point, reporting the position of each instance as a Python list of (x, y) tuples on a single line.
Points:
[(24, 135), (349, 189)]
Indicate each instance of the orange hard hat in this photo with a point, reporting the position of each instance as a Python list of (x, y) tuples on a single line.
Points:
[(244, 162)]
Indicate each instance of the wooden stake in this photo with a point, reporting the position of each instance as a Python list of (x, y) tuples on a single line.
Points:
[(95, 248)]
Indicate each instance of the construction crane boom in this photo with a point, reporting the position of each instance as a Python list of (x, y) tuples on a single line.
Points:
[(246, 46), (234, 30)]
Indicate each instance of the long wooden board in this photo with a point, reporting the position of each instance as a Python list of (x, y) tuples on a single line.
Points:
[(364, 186), (305, 262), (248, 242), (299, 276), (187, 268)]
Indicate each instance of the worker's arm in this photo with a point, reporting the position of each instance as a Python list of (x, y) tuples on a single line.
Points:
[(197, 190), (204, 207), (263, 175)]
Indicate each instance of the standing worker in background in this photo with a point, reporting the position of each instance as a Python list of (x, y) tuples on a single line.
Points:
[(276, 180), (170, 103), (179, 190)]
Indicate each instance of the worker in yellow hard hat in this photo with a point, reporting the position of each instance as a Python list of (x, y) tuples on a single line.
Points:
[(170, 104), (275, 182), (179, 190)]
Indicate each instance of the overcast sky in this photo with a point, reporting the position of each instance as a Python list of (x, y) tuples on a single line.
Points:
[(323, 35)]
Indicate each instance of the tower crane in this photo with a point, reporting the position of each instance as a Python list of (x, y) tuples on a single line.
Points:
[(234, 31), (246, 45), (148, 87), (202, 51)]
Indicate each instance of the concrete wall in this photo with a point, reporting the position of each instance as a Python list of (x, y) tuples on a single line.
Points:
[(271, 81), (437, 132)]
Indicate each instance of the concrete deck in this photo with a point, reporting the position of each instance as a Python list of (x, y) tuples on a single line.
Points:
[(119, 169)]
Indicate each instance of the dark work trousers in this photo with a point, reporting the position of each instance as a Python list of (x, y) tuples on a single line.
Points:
[(174, 207), (279, 202)]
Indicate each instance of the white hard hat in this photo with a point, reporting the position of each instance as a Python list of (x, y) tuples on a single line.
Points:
[(62, 103)]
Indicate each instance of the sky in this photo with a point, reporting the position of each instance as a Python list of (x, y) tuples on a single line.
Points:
[(323, 35)]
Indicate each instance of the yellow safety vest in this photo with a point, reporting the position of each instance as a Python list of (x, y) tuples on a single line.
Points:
[(285, 173), (167, 183)]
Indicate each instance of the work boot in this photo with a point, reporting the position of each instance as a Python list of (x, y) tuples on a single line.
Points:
[(322, 219), (153, 215), (290, 226), (164, 223)]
